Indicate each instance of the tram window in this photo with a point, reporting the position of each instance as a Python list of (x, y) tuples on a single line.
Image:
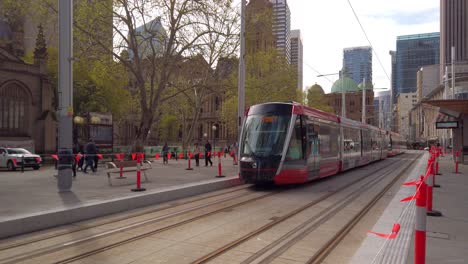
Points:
[(366, 140), (352, 141), (328, 140), (295, 145)]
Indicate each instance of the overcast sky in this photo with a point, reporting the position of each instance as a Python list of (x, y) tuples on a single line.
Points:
[(329, 26)]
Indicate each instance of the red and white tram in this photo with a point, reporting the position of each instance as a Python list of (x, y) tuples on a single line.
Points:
[(288, 143)]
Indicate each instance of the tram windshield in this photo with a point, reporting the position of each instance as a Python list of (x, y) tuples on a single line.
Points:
[(264, 135)]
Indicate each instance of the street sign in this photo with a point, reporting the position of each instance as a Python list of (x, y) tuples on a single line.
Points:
[(447, 124)]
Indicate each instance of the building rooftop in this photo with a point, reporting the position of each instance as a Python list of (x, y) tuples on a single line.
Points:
[(419, 36), (344, 84)]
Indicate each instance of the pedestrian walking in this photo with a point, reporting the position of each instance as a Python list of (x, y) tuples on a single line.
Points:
[(81, 161), (76, 150), (165, 152), (175, 153), (196, 150), (226, 150), (90, 153), (208, 156), (96, 159)]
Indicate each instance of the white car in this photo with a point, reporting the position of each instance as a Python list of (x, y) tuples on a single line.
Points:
[(13, 158)]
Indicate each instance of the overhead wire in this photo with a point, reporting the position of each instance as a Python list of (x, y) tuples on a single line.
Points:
[(368, 40), (319, 73)]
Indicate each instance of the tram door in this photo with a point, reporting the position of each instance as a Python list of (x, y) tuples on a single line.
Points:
[(313, 149)]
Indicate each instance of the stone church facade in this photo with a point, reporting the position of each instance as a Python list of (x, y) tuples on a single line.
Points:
[(27, 100)]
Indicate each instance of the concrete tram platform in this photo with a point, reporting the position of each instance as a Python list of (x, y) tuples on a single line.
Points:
[(30, 201), (446, 236)]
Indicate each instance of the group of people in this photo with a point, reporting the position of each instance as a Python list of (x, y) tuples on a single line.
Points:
[(197, 149), (88, 157)]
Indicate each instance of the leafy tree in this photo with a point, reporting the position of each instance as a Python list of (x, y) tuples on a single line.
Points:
[(316, 99), (151, 70), (99, 81)]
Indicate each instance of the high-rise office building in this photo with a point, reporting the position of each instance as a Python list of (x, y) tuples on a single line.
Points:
[(151, 39), (383, 108), (357, 63), (453, 30), (393, 80), (454, 33), (413, 52), (297, 54), (282, 27)]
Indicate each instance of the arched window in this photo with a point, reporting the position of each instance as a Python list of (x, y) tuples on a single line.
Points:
[(14, 106)]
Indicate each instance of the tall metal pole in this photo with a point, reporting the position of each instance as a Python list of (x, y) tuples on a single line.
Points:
[(453, 72), (65, 108), (445, 133), (241, 80), (364, 101), (343, 103)]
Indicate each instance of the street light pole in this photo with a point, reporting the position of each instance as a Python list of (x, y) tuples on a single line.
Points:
[(453, 72), (364, 101), (241, 77), (65, 108), (214, 138), (343, 102)]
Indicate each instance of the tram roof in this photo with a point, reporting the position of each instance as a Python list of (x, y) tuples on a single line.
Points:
[(301, 109)]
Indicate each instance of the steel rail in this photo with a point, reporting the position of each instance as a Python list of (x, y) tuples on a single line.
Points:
[(328, 247), (244, 238), (300, 232), (115, 220)]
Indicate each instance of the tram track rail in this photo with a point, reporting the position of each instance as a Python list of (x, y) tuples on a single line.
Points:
[(56, 248), (115, 220), (331, 244), (60, 246), (319, 217)]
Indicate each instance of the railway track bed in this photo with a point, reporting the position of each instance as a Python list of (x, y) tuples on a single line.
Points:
[(279, 225)]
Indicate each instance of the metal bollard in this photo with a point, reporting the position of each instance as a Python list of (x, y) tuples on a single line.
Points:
[(420, 227), (189, 159), (429, 195), (138, 188), (220, 174)]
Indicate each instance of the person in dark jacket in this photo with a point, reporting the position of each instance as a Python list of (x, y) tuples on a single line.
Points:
[(196, 151), (96, 159), (165, 150), (208, 156), (90, 153)]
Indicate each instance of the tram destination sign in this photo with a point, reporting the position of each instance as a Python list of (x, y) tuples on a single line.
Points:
[(447, 124)]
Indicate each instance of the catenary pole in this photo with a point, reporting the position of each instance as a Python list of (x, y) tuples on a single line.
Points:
[(65, 108), (453, 72), (364, 101), (241, 78)]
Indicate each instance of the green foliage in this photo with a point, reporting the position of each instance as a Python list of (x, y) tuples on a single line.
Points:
[(317, 100), (99, 83), (100, 86), (168, 128)]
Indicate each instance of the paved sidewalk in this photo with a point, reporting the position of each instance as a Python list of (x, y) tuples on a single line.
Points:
[(447, 236), (33, 195)]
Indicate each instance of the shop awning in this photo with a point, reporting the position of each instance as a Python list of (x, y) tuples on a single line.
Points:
[(460, 106)]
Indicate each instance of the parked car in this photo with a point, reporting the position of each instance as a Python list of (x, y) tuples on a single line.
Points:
[(13, 158)]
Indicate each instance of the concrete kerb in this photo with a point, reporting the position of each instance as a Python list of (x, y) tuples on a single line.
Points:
[(48, 219), (396, 250)]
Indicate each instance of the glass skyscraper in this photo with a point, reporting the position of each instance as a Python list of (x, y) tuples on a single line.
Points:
[(282, 27), (414, 51), (357, 63)]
